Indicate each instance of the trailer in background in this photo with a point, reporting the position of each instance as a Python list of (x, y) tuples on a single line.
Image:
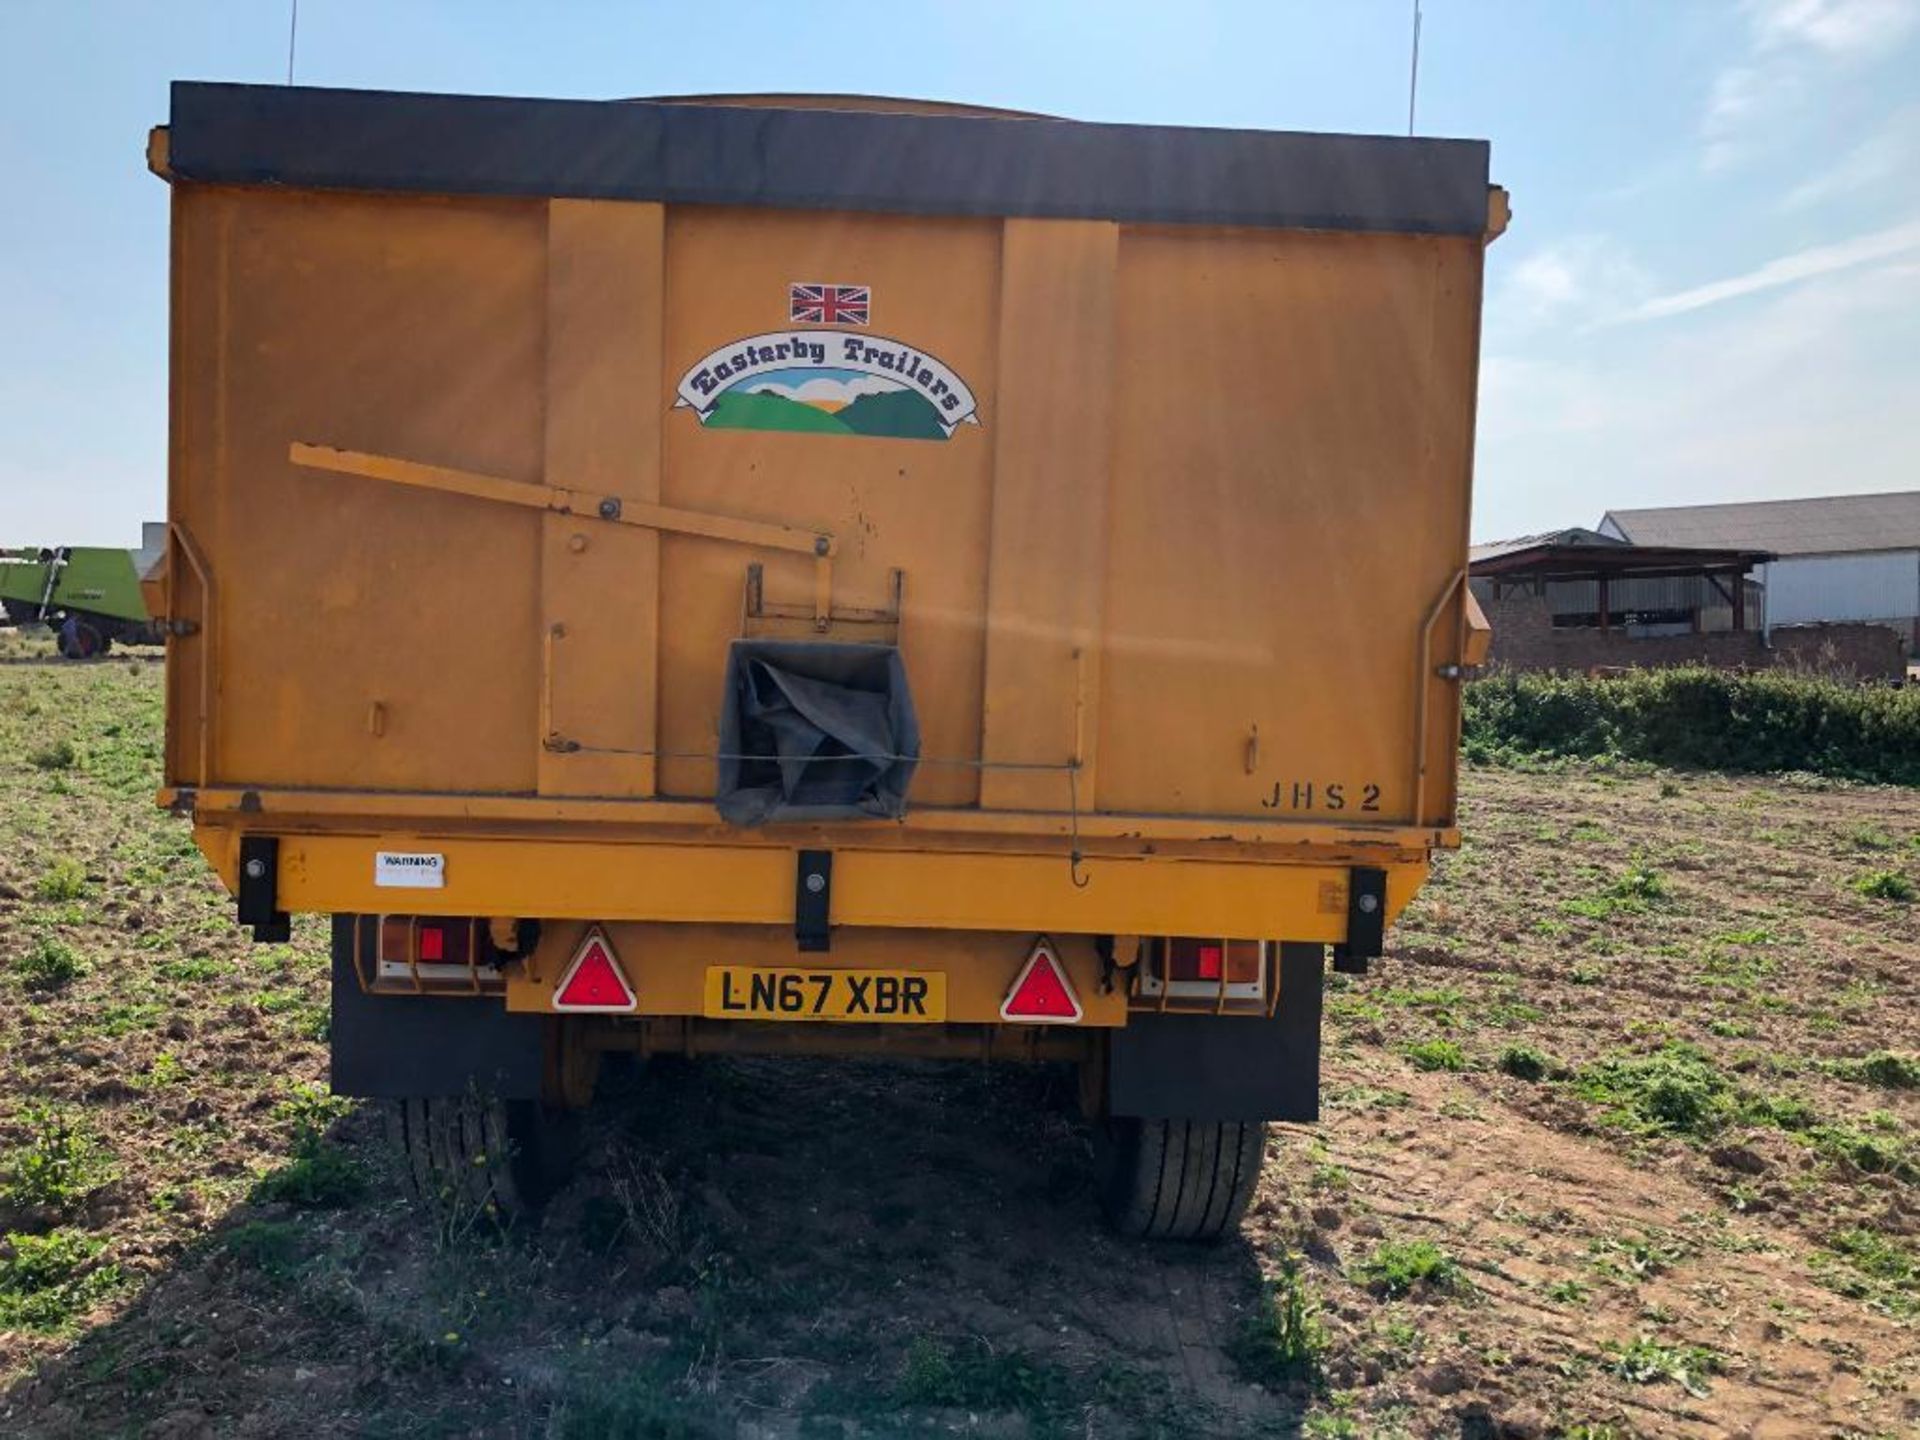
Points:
[(89, 596)]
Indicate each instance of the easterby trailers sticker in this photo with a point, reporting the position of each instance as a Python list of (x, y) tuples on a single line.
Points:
[(409, 870), (827, 382)]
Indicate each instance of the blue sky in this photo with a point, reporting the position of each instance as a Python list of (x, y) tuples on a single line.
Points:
[(1711, 289)]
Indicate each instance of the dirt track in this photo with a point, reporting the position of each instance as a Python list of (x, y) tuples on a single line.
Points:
[(1697, 1218)]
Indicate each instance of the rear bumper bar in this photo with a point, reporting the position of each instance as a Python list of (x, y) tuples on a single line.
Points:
[(754, 885)]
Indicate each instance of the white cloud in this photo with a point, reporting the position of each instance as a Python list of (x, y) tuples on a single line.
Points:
[(1889, 154), (1790, 46), (1839, 27), (1741, 95), (1575, 280), (1809, 390), (828, 390), (1801, 265)]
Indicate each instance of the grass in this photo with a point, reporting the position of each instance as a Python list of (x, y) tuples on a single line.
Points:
[(1523, 1062), (1881, 1270), (272, 1247), (639, 1406), (1675, 1090), (1870, 837), (1437, 1055), (1633, 1258), (56, 1169), (48, 1282), (1877, 1255), (1398, 1268), (65, 879), (1641, 882), (1591, 907), (1885, 1068), (55, 755), (1284, 1341), (318, 1177), (973, 1374), (1645, 1361), (1864, 1151), (49, 963), (1885, 885), (1678, 1091)]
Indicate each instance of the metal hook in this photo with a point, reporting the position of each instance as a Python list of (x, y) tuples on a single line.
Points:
[(1074, 857)]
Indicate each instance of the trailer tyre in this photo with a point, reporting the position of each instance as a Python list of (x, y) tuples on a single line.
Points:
[(1178, 1179), (478, 1161), (81, 639)]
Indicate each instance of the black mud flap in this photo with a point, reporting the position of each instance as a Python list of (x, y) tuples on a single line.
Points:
[(1226, 1067), (400, 1047)]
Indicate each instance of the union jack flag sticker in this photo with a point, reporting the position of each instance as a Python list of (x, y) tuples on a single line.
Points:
[(829, 304)]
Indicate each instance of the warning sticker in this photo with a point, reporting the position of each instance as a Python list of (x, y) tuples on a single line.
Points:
[(409, 870)]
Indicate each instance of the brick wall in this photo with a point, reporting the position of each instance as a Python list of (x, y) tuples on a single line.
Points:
[(1866, 650), (1524, 639)]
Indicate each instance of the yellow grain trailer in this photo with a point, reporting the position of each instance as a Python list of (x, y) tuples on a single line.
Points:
[(772, 574)]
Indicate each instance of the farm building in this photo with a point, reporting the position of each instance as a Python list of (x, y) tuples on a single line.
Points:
[(1849, 558), (1586, 600), (1593, 581), (1576, 599)]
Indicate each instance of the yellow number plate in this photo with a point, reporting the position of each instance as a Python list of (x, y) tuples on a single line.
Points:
[(894, 997)]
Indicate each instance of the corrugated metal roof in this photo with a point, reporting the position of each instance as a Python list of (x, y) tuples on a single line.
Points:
[(1836, 524), (1574, 535)]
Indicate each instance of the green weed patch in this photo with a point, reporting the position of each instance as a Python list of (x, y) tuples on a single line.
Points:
[(49, 1281), (1399, 1267), (1885, 885), (975, 1375), (1284, 1340), (1437, 1055), (56, 1167), (48, 963), (1523, 1062), (1675, 1090)]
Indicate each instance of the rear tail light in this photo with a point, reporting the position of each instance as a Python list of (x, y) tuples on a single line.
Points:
[(436, 952), (1192, 966), (1207, 959)]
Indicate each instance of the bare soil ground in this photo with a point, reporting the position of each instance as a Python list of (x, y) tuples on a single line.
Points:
[(1619, 1140)]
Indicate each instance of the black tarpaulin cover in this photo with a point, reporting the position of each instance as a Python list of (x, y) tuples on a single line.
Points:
[(815, 730)]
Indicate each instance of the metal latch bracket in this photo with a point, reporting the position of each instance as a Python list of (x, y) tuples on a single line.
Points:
[(813, 902), (259, 890), (1366, 920)]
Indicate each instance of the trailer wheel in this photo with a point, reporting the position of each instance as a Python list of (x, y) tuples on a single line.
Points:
[(478, 1161), (1178, 1179), (80, 639)]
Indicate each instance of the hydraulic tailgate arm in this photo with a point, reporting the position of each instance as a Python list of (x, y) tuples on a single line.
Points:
[(612, 509)]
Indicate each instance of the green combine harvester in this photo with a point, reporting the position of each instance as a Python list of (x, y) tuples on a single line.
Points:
[(89, 596)]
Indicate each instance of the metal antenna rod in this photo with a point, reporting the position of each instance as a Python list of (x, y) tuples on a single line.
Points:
[(1413, 78), (293, 34)]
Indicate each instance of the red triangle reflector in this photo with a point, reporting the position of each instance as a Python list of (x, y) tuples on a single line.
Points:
[(594, 980), (1042, 995)]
